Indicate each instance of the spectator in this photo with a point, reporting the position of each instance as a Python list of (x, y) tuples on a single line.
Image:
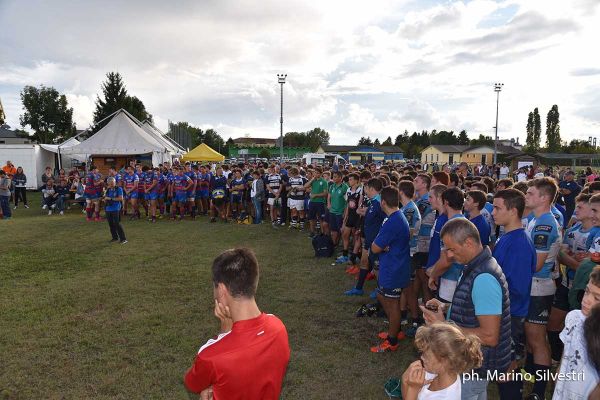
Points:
[(49, 196), (446, 353), (47, 175), (575, 359), (480, 305), (9, 169), (504, 171), (257, 194), (5, 183), (62, 190), (569, 190), (248, 359), (20, 182)]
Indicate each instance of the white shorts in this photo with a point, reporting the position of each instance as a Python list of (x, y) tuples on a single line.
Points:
[(271, 201), (296, 204)]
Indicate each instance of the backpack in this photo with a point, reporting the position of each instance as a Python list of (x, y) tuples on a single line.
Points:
[(323, 246)]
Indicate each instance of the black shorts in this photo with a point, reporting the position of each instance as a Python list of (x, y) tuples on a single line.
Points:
[(419, 260), (561, 298), (414, 266), (353, 221), (539, 309), (316, 210), (335, 222), (218, 202)]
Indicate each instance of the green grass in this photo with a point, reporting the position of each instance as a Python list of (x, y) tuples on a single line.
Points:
[(82, 318)]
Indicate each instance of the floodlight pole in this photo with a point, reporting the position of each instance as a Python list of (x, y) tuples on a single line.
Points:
[(497, 89), (281, 80)]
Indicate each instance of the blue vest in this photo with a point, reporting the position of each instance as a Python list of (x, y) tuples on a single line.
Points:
[(463, 311)]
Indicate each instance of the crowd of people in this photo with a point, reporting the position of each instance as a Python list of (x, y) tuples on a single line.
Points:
[(494, 277)]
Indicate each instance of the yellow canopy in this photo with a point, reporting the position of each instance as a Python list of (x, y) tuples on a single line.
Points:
[(202, 153)]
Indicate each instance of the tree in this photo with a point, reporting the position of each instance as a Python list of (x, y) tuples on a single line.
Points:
[(483, 141), (264, 153), (553, 143), (115, 97), (387, 142), (316, 137), (537, 130), (403, 138), (530, 141), (214, 140), (229, 144), (579, 147), (463, 138), (376, 142), (365, 141), (47, 113)]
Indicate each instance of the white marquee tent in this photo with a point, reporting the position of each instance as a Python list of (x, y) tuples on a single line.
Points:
[(124, 135)]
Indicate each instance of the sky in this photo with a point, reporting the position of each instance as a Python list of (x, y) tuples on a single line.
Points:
[(354, 68)]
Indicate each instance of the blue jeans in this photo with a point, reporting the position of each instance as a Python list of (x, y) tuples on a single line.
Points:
[(4, 203), (258, 208), (60, 202), (474, 389)]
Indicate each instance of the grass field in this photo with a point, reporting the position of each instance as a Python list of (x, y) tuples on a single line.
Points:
[(81, 318)]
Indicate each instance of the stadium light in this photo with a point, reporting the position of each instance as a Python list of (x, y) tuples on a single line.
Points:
[(497, 89), (281, 80)]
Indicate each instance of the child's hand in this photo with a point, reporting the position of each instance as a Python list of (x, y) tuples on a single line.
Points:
[(414, 376)]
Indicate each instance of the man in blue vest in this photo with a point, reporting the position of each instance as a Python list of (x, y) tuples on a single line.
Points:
[(480, 305)]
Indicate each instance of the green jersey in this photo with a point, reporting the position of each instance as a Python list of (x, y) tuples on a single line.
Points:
[(318, 186), (337, 198)]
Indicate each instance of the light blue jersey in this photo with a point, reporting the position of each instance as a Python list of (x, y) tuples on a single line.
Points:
[(413, 217)]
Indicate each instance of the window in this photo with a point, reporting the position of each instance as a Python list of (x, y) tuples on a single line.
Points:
[(437, 156)]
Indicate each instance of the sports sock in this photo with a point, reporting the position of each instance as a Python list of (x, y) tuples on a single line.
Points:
[(556, 345), (539, 387), (403, 314), (345, 253), (529, 363), (302, 220), (362, 275)]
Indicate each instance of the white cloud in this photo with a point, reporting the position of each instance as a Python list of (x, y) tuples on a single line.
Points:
[(354, 69)]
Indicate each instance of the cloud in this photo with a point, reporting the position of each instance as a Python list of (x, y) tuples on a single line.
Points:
[(353, 69)]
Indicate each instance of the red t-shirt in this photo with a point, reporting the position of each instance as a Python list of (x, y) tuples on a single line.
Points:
[(249, 362)]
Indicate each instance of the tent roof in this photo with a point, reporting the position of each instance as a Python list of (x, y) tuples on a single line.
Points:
[(203, 152), (64, 145), (122, 135), (157, 134)]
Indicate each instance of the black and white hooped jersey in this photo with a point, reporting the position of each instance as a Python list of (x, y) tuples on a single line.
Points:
[(274, 182), (297, 187)]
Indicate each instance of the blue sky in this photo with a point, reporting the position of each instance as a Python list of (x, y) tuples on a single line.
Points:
[(354, 68)]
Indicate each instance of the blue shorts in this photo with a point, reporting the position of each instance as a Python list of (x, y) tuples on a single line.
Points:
[(202, 194), (236, 199), (191, 195), (335, 222), (316, 210), (132, 195), (389, 293), (92, 196), (150, 196), (180, 197)]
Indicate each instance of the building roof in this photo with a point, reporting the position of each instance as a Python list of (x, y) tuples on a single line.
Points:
[(451, 148), (332, 148), (251, 140), (390, 149), (6, 132)]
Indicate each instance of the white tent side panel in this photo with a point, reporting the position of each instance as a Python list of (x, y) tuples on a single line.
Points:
[(31, 157)]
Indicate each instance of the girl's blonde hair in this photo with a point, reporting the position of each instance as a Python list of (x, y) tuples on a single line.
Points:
[(458, 351)]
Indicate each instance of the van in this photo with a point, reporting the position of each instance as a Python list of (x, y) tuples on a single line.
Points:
[(323, 159)]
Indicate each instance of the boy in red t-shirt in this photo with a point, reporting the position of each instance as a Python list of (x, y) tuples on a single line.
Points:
[(249, 357)]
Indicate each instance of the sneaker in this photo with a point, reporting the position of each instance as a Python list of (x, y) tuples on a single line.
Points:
[(384, 347), (49, 212), (88, 219), (352, 270), (373, 294), (370, 277), (15, 207), (44, 207), (354, 292), (213, 219), (53, 206), (403, 322), (384, 335), (341, 260), (26, 206), (123, 241), (411, 331), (367, 310), (62, 213)]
